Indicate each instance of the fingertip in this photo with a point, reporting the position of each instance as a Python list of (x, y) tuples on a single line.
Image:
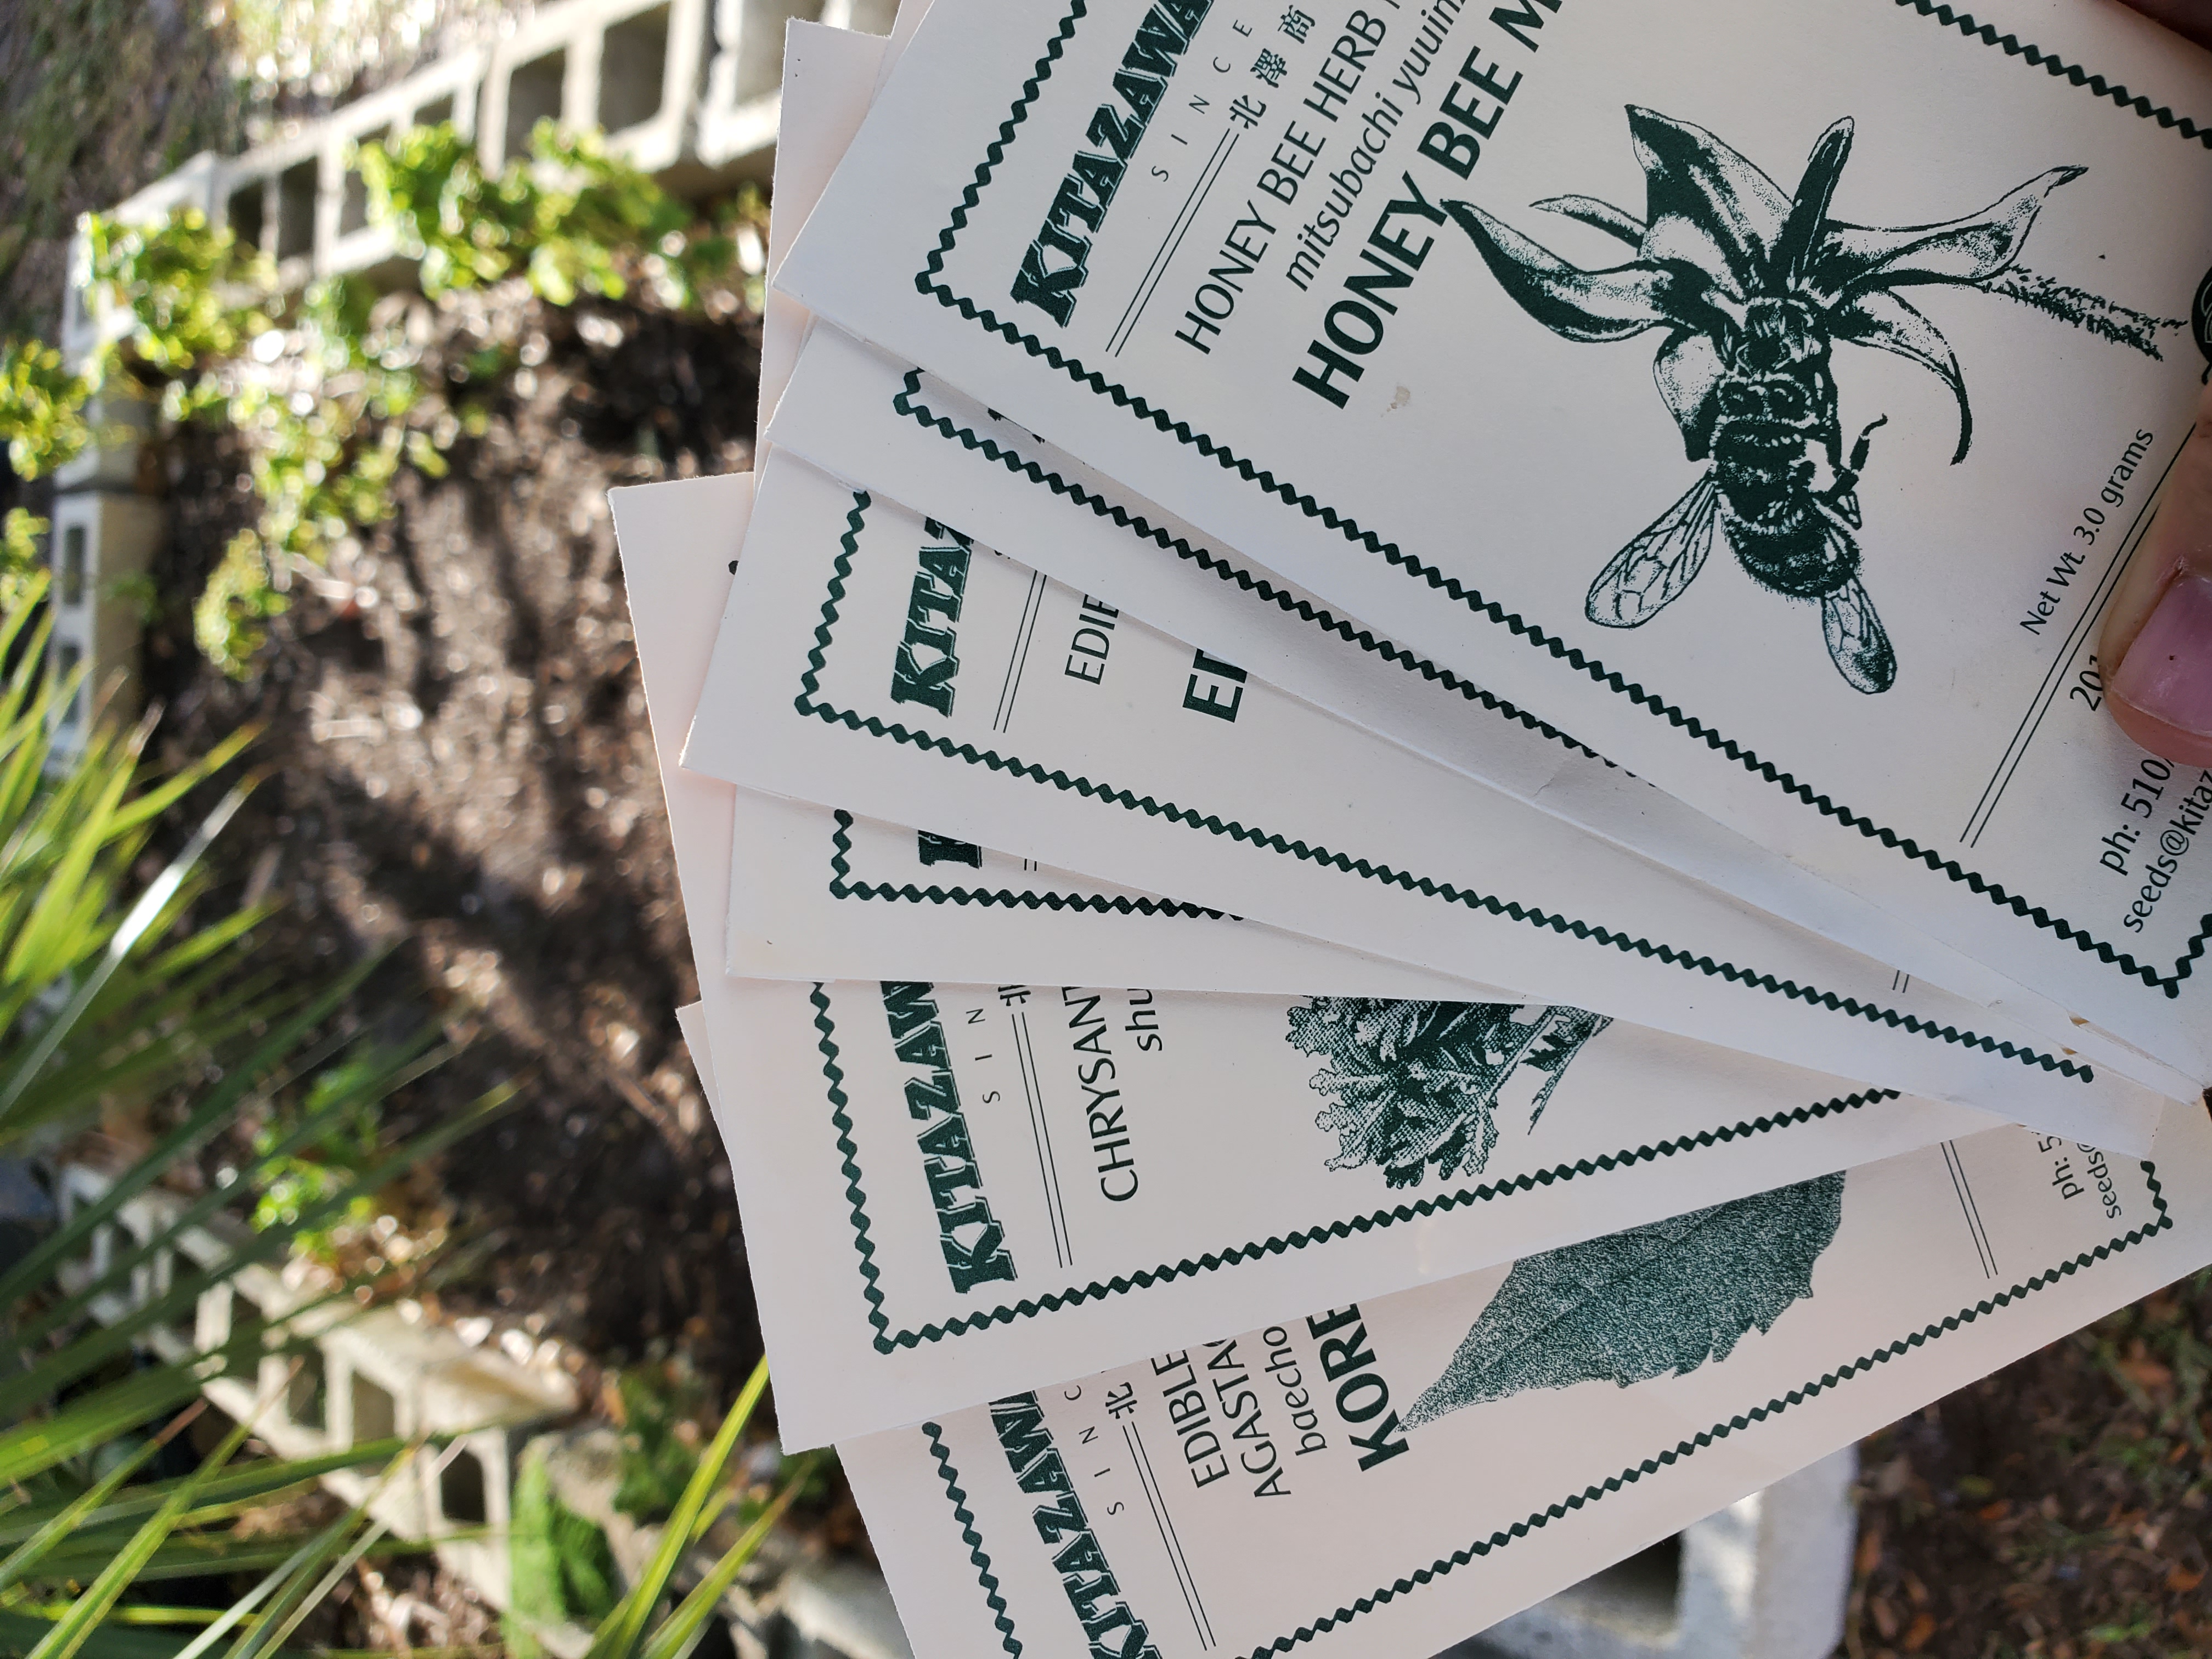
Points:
[(2161, 738), (2177, 542)]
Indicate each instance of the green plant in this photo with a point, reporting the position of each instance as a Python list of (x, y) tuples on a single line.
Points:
[(571, 218), (20, 532), (325, 390), (629, 1632), (562, 1568), (107, 995), (228, 616), (297, 1176), (42, 405), (662, 1406), (191, 291), (103, 994)]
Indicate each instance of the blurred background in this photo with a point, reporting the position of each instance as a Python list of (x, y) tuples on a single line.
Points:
[(339, 933)]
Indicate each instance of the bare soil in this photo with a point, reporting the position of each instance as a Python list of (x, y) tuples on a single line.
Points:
[(2060, 1508), (460, 769)]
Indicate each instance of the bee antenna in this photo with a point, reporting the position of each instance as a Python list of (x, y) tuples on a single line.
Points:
[(1808, 211)]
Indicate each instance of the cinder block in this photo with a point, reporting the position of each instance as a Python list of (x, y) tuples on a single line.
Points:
[(841, 1610), (1765, 1578), (650, 73), (631, 67), (77, 1187), (98, 538), (124, 422), (145, 1221), (743, 100), (493, 1405), (447, 90)]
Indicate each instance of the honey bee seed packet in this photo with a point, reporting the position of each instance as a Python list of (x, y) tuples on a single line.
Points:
[(1385, 1478), (873, 658), (867, 418), (1769, 397), (1095, 1159), (900, 432)]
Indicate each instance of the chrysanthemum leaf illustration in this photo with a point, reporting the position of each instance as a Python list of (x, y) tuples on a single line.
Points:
[(1751, 285), (1414, 1086)]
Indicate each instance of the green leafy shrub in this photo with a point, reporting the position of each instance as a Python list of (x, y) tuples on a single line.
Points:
[(20, 564), (41, 408), (191, 292), (570, 216), (325, 389), (227, 618)]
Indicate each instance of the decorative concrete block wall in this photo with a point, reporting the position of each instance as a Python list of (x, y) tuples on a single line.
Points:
[(98, 539), (687, 90)]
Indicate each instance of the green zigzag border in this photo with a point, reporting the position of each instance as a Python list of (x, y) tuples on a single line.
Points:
[(1908, 847), (849, 1165), (806, 704), (2059, 69), (886, 1340), (908, 402), (1504, 1537), (842, 886), (974, 1540)]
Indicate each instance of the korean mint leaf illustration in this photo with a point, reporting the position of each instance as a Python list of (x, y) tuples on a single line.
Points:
[(1750, 288), (1639, 1304), (1415, 1084)]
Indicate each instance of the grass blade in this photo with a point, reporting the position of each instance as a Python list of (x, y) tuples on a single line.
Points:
[(89, 1609), (120, 944), (27, 1555), (681, 1628), (623, 1630)]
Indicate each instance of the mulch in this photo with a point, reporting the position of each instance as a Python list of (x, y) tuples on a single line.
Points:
[(2058, 1508)]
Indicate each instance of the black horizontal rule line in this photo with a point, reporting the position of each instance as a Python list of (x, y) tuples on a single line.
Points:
[(2046, 692)]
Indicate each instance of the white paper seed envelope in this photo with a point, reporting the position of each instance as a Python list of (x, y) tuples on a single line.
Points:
[(1382, 299), (954, 1191), (900, 432), (815, 893), (1380, 1481), (872, 658), (1156, 1128), (864, 416)]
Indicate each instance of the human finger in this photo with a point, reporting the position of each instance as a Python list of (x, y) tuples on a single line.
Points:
[(2155, 651), (2191, 17)]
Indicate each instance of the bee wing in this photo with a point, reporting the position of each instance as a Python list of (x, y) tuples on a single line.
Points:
[(1856, 639), (1650, 573)]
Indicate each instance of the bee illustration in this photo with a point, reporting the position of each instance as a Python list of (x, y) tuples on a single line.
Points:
[(1754, 287)]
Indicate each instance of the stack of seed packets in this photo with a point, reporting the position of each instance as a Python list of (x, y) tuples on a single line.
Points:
[(1529, 573)]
